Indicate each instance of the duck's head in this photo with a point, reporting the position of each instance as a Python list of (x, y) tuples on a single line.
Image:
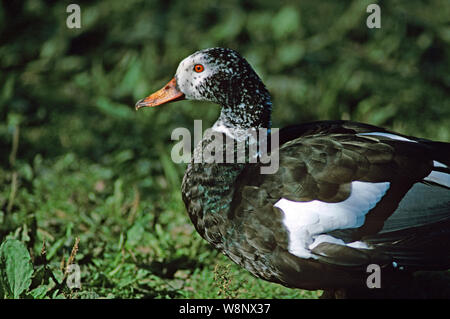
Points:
[(220, 76)]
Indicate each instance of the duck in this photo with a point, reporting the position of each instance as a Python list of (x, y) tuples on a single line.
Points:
[(346, 196)]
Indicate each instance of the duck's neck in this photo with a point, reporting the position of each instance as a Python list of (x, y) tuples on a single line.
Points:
[(248, 106), (208, 188)]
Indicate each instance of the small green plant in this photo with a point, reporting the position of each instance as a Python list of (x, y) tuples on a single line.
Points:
[(19, 278), (16, 269)]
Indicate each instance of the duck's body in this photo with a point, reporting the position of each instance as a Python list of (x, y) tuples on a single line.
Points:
[(387, 212), (346, 195)]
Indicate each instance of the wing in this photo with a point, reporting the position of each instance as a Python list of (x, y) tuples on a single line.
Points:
[(350, 194)]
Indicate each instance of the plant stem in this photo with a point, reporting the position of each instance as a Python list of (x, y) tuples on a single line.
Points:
[(12, 161)]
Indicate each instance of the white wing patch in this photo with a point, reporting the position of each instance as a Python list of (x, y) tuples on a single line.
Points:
[(307, 222), (330, 239), (440, 178), (388, 135), (437, 177), (438, 164)]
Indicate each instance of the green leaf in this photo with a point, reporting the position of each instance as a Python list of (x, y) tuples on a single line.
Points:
[(39, 292), (113, 109), (286, 22), (134, 235), (169, 168), (15, 267), (290, 53)]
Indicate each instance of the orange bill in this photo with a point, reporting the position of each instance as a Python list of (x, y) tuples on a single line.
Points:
[(169, 93)]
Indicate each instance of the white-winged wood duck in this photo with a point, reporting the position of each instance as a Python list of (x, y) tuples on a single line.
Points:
[(346, 194)]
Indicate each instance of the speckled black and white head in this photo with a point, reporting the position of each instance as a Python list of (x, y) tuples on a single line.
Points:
[(221, 76)]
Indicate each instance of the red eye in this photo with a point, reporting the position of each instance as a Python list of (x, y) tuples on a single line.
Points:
[(198, 68)]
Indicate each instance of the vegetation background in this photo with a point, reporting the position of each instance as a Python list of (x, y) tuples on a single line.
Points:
[(77, 161)]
